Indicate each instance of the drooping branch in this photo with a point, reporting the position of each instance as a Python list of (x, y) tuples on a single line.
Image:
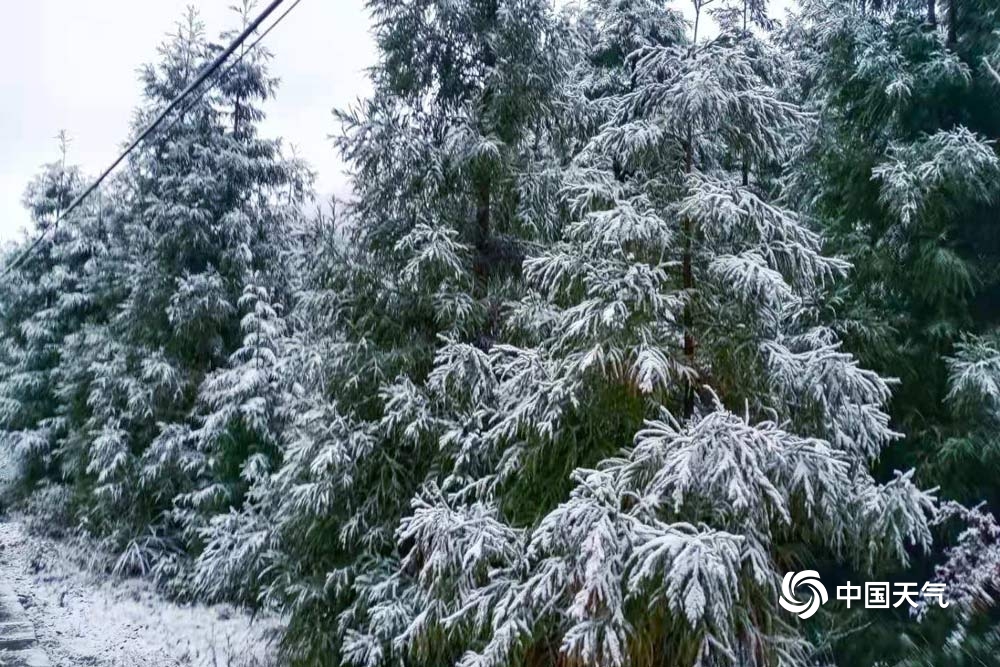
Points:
[(991, 70)]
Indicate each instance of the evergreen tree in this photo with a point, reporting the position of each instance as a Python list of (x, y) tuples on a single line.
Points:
[(572, 377), (208, 203), (901, 174), (453, 158), (44, 303), (668, 419)]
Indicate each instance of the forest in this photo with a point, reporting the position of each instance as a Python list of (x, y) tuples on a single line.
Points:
[(624, 319)]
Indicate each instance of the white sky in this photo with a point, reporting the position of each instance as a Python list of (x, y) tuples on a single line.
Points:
[(72, 64)]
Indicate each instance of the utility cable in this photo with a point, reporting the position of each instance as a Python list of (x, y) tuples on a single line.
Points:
[(205, 73), (230, 68)]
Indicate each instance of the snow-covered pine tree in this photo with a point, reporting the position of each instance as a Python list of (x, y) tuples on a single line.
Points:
[(43, 304), (900, 175), (242, 546), (98, 289), (453, 163), (965, 632), (208, 202), (612, 31), (670, 426), (242, 410)]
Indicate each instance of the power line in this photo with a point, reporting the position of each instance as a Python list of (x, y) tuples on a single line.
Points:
[(205, 73), (232, 65)]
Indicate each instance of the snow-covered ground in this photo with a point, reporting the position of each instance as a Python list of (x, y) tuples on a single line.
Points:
[(86, 620)]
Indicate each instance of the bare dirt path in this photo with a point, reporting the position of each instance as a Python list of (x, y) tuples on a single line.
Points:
[(85, 620)]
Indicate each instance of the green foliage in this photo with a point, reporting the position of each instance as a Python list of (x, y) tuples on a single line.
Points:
[(599, 348), (901, 175)]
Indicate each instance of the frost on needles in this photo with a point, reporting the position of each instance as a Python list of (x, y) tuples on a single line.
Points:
[(668, 358), (571, 379)]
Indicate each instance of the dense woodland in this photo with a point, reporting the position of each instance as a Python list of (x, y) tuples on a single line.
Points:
[(626, 318)]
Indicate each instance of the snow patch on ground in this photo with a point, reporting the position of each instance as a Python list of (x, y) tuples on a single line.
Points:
[(87, 620)]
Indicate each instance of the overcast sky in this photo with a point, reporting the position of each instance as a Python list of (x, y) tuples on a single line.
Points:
[(72, 64)]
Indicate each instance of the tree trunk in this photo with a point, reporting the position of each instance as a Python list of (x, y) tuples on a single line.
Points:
[(932, 12), (687, 282), (482, 231), (687, 278), (952, 23)]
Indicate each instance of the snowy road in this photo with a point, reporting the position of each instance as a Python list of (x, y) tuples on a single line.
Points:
[(18, 644), (84, 620)]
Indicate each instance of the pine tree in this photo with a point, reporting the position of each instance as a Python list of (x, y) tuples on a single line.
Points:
[(901, 176), (207, 203), (44, 304), (901, 173), (668, 414), (453, 158)]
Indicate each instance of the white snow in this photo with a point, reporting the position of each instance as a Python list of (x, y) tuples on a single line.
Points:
[(86, 619)]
